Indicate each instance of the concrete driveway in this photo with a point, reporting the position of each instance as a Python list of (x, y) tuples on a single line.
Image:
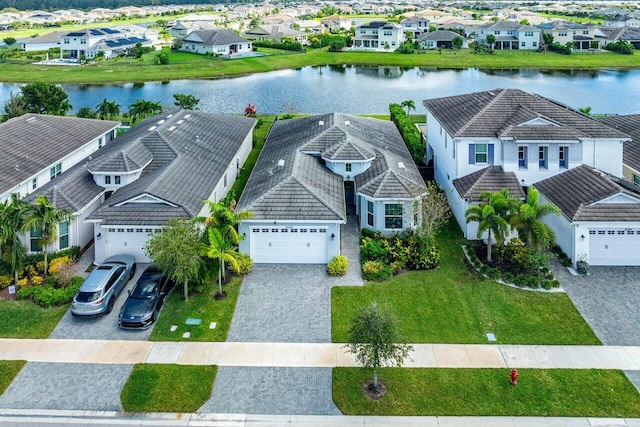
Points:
[(608, 299), (103, 327)]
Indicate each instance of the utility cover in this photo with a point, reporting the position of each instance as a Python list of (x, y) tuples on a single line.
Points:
[(193, 321)]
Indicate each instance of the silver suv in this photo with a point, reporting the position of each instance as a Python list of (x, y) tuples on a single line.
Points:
[(100, 289)]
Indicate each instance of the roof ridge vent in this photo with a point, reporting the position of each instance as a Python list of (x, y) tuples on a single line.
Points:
[(171, 128), (321, 123), (30, 119), (153, 127), (347, 122), (401, 165), (281, 162), (161, 122)]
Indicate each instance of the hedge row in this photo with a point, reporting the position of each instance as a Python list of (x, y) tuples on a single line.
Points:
[(409, 132)]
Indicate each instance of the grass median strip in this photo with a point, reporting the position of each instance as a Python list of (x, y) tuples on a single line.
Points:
[(487, 392), (24, 319), (168, 388), (451, 305), (8, 371)]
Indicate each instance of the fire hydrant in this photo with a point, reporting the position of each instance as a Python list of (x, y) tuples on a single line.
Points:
[(514, 376)]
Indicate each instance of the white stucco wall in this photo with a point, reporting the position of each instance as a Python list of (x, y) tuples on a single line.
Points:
[(339, 167), (604, 154), (379, 214), (564, 231)]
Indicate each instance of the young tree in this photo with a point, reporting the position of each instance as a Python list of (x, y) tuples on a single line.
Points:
[(374, 340), (15, 106), (547, 38), (222, 248), (188, 102), (42, 215), (45, 98), (12, 215), (108, 110), (528, 221), (457, 42), (87, 113), (433, 210), (176, 252), (409, 104), (491, 39), (9, 41), (488, 220)]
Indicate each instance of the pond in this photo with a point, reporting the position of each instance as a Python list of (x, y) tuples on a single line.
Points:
[(367, 89)]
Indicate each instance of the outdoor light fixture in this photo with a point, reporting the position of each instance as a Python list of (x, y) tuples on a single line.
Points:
[(99, 236), (582, 237), (333, 236)]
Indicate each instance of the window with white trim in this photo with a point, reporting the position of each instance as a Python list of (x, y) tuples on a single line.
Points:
[(563, 157), (522, 157), (34, 183), (393, 216), (116, 180), (542, 157), (55, 171), (636, 179), (347, 167), (481, 153), (34, 236), (107, 179), (63, 235), (370, 213)]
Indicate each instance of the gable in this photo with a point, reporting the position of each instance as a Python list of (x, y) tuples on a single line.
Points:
[(618, 199), (538, 121), (145, 199)]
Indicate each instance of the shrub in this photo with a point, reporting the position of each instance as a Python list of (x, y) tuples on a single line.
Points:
[(30, 271), (56, 263), (515, 257), (369, 233), (423, 253), (36, 280), (555, 283), (338, 265), (374, 270), (64, 273), (493, 273), (245, 263), (285, 45), (40, 266), (508, 277), (373, 250), (23, 282), (520, 280), (546, 284), (47, 296), (410, 133), (5, 281), (582, 267)]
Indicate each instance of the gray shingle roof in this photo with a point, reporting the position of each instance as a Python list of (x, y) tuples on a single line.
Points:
[(492, 178), (440, 35), (189, 159), (503, 113), (629, 124), (26, 151), (217, 37), (288, 182), (575, 191), (348, 150)]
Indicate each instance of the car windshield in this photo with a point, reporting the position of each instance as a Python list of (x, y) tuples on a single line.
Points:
[(87, 296), (146, 288)]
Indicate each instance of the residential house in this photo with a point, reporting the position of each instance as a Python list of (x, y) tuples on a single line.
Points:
[(182, 28), (630, 125), (37, 148), (528, 135), (511, 35), (43, 42), (600, 216), (606, 35), (310, 26), (416, 24), (378, 35), (162, 168), (88, 42), (441, 39), (275, 33), (335, 23), (316, 173), (621, 21), (220, 42), (563, 32)]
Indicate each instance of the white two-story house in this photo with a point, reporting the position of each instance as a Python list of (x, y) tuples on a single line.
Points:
[(511, 35), (506, 136), (378, 35), (579, 35), (88, 42), (416, 24)]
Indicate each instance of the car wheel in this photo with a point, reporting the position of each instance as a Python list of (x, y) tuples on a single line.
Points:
[(133, 271), (110, 305)]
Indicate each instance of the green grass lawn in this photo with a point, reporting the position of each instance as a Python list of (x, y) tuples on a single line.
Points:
[(183, 65), (8, 371), (485, 392), (167, 388), (451, 305), (200, 306), (24, 319)]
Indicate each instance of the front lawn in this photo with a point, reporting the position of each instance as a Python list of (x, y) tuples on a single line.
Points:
[(167, 388), (24, 319), (487, 392), (452, 305), (8, 371), (200, 306)]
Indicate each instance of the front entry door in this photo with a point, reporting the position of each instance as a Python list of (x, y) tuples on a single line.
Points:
[(350, 197)]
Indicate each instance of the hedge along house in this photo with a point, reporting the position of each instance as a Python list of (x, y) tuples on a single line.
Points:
[(313, 174)]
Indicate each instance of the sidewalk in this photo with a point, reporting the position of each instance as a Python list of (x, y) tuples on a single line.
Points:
[(316, 355)]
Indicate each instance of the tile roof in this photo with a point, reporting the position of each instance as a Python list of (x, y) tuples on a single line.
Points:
[(492, 178), (629, 124), (290, 182), (511, 113), (191, 151), (440, 35), (216, 37), (575, 191), (26, 151)]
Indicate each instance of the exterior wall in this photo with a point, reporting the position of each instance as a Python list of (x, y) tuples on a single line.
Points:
[(340, 168), (112, 241), (28, 47), (458, 208), (628, 174), (124, 179), (605, 155), (529, 42), (379, 214), (561, 225), (83, 231), (534, 172), (71, 159)]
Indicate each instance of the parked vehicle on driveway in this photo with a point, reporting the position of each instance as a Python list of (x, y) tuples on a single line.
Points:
[(142, 307), (100, 289)]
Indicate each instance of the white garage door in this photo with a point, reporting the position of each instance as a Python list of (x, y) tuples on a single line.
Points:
[(127, 241), (614, 246), (289, 245)]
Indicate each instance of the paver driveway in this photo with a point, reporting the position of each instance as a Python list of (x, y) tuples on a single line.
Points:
[(102, 327)]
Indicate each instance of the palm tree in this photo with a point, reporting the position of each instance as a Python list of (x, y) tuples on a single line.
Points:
[(108, 110), (528, 222), (42, 215), (221, 248), (504, 205), (409, 104), (142, 109), (224, 218), (12, 215), (488, 220), (491, 39)]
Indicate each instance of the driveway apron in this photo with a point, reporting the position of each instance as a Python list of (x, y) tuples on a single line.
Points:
[(92, 387)]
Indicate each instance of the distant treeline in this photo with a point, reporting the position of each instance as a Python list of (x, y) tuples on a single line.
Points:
[(50, 5)]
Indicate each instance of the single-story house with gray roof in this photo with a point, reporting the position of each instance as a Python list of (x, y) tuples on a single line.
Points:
[(600, 220), (164, 167), (629, 124), (441, 39), (316, 173), (220, 42)]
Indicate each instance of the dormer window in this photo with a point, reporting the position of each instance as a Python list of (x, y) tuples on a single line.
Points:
[(116, 179), (107, 179), (347, 167)]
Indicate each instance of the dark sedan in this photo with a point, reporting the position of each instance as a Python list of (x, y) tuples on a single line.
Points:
[(143, 305)]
